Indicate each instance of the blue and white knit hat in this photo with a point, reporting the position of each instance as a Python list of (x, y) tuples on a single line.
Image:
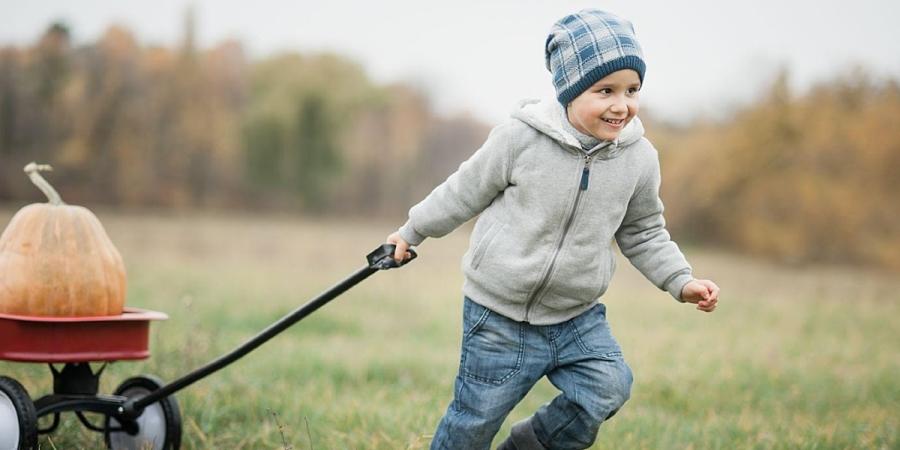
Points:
[(586, 46)]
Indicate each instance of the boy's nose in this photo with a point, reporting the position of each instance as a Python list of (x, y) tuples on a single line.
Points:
[(618, 106)]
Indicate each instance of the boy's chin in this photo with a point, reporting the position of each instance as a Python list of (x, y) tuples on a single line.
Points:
[(605, 135)]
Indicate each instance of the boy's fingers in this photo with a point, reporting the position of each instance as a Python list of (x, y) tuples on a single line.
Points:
[(400, 253), (693, 291), (708, 292), (693, 297), (713, 289), (401, 247), (707, 295)]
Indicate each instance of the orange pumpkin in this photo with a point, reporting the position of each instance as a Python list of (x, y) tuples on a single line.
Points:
[(56, 260)]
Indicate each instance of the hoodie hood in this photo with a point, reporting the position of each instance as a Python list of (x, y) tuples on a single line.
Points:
[(547, 116)]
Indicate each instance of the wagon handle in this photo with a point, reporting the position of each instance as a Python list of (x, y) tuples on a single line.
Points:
[(380, 259), (383, 257)]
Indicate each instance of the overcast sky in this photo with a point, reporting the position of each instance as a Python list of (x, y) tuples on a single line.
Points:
[(703, 56)]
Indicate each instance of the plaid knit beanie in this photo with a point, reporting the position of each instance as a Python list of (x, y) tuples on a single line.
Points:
[(586, 46)]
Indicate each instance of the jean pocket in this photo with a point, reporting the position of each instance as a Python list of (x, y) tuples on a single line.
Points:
[(593, 336), (493, 346)]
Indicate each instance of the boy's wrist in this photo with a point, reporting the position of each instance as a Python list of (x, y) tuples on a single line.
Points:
[(410, 235), (677, 284)]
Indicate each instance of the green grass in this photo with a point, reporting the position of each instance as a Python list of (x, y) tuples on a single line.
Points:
[(795, 357)]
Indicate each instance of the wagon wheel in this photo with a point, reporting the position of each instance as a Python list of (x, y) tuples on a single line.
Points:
[(159, 425), (18, 419)]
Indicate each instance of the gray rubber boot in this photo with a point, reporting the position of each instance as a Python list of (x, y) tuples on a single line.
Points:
[(521, 437)]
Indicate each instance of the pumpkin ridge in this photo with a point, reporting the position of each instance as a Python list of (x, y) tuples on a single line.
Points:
[(39, 266), (9, 250), (110, 259), (60, 284), (99, 256), (31, 299), (8, 236), (101, 303), (75, 246), (121, 281)]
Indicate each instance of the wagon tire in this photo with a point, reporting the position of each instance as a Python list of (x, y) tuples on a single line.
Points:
[(159, 425), (18, 419)]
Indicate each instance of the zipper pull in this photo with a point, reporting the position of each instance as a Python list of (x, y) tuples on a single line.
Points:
[(586, 173)]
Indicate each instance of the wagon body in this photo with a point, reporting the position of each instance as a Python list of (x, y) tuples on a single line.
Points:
[(77, 339)]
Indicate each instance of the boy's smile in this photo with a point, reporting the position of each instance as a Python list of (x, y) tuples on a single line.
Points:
[(603, 110)]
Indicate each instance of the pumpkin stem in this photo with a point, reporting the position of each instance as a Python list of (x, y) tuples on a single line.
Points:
[(33, 170)]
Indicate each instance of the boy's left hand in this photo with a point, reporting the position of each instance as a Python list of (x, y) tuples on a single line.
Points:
[(704, 293)]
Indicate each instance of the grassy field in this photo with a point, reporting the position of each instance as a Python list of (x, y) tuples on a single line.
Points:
[(794, 358)]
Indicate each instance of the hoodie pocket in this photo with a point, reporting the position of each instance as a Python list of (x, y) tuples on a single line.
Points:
[(485, 243)]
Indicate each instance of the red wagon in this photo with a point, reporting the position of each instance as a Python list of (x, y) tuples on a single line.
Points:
[(142, 413), (75, 342)]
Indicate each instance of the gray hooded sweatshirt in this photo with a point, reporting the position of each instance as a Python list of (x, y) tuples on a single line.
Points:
[(541, 250)]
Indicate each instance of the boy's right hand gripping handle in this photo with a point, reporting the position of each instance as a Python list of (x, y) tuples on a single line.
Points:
[(382, 258)]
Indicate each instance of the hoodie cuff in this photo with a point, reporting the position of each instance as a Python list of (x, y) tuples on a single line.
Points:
[(409, 234), (676, 285)]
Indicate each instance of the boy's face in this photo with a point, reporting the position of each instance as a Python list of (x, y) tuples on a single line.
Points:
[(604, 109)]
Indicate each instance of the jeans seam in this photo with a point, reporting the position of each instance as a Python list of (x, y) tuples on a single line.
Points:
[(454, 404), (578, 339), (554, 353), (481, 320), (512, 373), (587, 351)]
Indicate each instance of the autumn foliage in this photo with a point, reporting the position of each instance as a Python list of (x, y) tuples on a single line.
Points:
[(132, 125), (805, 176)]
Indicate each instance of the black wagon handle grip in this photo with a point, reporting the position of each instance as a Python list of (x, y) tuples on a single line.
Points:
[(382, 258)]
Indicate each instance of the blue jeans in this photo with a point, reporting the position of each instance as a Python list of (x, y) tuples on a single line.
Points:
[(502, 359)]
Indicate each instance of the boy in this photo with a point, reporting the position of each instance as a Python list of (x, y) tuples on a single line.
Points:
[(554, 185)]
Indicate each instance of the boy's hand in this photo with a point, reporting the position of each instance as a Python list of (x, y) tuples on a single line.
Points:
[(704, 293), (401, 252)]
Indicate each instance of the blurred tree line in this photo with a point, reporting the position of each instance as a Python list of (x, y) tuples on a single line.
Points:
[(130, 125), (808, 177)]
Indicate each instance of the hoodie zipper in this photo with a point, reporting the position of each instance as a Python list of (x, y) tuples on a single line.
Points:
[(582, 186)]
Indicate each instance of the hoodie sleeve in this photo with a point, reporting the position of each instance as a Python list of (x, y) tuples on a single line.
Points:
[(466, 192), (643, 238)]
